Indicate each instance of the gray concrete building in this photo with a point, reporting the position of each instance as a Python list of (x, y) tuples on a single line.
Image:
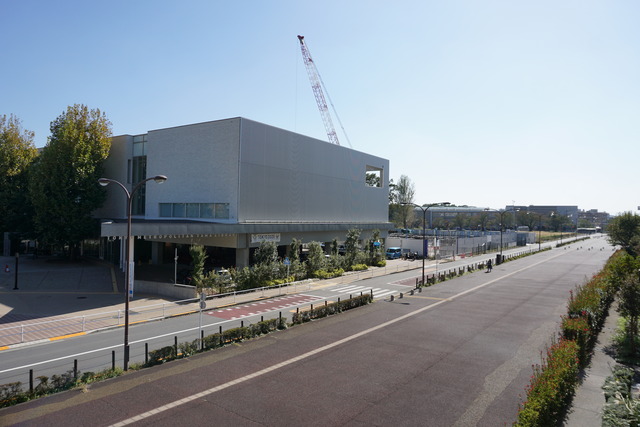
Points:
[(234, 183)]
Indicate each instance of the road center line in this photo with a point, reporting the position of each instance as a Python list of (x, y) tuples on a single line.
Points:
[(308, 354)]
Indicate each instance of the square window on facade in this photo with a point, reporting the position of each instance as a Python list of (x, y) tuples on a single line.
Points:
[(178, 210), (222, 210), (206, 210), (193, 210), (165, 210)]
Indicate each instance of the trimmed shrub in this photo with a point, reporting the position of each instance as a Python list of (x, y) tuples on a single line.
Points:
[(552, 386)]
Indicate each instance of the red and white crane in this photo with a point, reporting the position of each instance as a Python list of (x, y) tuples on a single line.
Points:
[(317, 85)]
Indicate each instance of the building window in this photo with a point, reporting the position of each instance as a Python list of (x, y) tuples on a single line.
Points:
[(194, 210), (166, 210), (206, 210), (222, 210), (373, 176), (178, 210)]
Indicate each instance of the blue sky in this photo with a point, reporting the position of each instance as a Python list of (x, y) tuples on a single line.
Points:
[(477, 102)]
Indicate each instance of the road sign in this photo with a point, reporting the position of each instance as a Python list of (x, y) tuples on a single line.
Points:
[(286, 261), (203, 305)]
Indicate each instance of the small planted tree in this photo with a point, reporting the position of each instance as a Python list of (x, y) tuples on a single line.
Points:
[(629, 307), (198, 257), (316, 258), (351, 246)]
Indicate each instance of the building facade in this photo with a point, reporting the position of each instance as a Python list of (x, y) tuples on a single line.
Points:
[(235, 183)]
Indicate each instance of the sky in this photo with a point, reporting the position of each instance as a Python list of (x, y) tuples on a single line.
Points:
[(480, 103)]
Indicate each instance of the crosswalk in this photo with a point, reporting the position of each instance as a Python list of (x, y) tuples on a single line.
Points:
[(356, 290)]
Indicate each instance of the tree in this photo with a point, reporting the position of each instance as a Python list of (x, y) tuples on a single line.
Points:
[(198, 257), (315, 259), (64, 185), (266, 254), (629, 307), (624, 230), (402, 195), (351, 246), (294, 252), (17, 152)]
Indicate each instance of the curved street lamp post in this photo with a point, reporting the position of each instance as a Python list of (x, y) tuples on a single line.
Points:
[(129, 253), (424, 233)]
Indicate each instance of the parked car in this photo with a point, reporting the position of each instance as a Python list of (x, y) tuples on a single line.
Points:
[(394, 253)]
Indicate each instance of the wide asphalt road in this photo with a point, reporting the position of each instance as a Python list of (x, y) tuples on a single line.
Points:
[(458, 353)]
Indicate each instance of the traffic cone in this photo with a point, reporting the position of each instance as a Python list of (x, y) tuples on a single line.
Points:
[(6, 268)]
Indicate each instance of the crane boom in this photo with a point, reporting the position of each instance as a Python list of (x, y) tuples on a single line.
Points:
[(316, 86)]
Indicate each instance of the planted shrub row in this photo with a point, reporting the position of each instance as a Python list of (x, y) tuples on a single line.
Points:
[(554, 381), (329, 309)]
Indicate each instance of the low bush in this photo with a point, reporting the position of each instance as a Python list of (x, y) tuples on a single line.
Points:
[(329, 309), (552, 385), (620, 408), (12, 393), (327, 274)]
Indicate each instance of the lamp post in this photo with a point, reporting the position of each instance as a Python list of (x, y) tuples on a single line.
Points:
[(129, 253), (424, 230), (539, 230), (501, 213)]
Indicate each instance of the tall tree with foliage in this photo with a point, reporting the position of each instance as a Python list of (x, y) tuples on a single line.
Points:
[(64, 185), (624, 230), (351, 246), (401, 199), (17, 151), (266, 254), (198, 258)]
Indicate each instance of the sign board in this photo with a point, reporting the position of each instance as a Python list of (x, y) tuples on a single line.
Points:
[(376, 243), (132, 267), (203, 305), (286, 261), (265, 237)]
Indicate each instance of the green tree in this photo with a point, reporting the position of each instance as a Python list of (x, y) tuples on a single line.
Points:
[(17, 152), (315, 259), (351, 246), (401, 197), (294, 252), (64, 185), (198, 258), (266, 254), (629, 307), (624, 230)]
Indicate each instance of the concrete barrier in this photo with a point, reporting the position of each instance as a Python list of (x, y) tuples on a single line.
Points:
[(169, 290)]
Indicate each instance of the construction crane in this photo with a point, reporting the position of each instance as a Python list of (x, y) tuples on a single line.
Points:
[(317, 85)]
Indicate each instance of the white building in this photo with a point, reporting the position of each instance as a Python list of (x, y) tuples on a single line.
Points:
[(233, 183)]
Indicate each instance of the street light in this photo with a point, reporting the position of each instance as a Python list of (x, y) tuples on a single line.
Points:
[(129, 253), (424, 232), (501, 213)]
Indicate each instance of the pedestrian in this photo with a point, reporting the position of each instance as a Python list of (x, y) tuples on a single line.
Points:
[(489, 266)]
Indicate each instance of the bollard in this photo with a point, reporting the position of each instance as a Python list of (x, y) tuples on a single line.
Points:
[(391, 298), (262, 318), (401, 296), (420, 290), (30, 380), (201, 340), (75, 369), (175, 345), (146, 352), (113, 360), (326, 303), (220, 329), (242, 323)]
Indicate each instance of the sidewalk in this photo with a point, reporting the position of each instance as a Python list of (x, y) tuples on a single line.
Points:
[(586, 409)]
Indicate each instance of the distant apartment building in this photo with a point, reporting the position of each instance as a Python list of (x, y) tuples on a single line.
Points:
[(235, 183)]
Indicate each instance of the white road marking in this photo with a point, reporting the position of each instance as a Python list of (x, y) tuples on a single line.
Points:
[(272, 368)]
